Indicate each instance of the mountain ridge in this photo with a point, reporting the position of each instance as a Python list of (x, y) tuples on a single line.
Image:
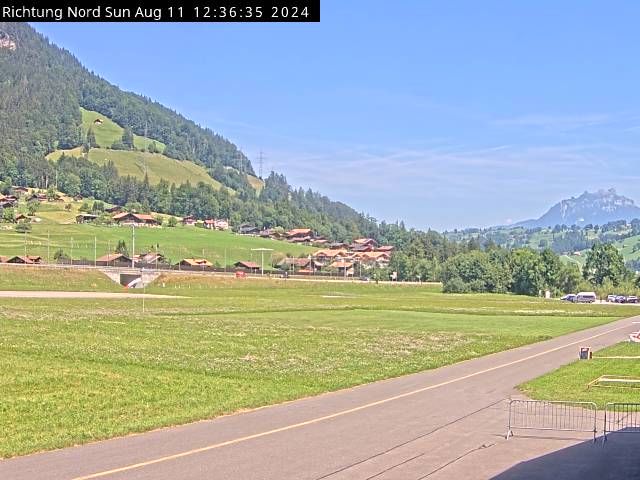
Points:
[(596, 208)]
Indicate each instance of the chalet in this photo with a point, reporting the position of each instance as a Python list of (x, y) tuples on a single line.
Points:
[(301, 265), (97, 121), (189, 221), (77, 197), (380, 259), (251, 267), (385, 248), (330, 254), (337, 245), (195, 262), (114, 259), (24, 260), (299, 235), (365, 241), (37, 197), (137, 219), (20, 190), (86, 218), (218, 224), (209, 223), (114, 209), (21, 218), (246, 229), (151, 258), (7, 203), (320, 242), (362, 248), (343, 267)]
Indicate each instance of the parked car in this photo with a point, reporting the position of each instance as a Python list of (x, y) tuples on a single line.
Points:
[(632, 299), (611, 298), (586, 297), (570, 297), (621, 299)]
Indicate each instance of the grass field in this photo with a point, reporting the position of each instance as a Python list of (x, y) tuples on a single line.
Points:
[(175, 243), (157, 166), (570, 382), (81, 370), (110, 132)]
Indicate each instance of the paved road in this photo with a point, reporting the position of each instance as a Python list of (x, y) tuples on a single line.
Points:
[(444, 423), (91, 295)]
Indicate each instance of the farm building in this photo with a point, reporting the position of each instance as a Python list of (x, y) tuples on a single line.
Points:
[(114, 260), (137, 219), (246, 229), (86, 218), (195, 262), (251, 267), (22, 259), (189, 221), (343, 267), (151, 258)]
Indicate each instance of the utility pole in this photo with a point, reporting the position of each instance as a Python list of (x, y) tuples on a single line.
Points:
[(95, 251), (72, 251), (133, 245), (48, 246)]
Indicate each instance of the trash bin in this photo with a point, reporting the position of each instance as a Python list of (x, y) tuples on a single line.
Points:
[(585, 353)]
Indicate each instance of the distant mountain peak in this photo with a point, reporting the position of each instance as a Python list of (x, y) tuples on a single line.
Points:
[(597, 207)]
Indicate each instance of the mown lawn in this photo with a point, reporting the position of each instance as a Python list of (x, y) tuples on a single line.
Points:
[(82, 370), (570, 382)]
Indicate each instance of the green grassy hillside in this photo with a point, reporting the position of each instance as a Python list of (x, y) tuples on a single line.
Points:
[(156, 165), (136, 163), (57, 230), (108, 132)]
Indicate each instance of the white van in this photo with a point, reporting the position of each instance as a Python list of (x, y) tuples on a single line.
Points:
[(585, 297)]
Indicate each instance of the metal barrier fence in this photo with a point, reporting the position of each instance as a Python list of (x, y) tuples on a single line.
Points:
[(560, 416), (621, 418)]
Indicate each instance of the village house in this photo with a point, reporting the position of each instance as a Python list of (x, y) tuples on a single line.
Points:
[(195, 262), (385, 248), (136, 219), (247, 229), (322, 255), (300, 265), (379, 259), (20, 190), (222, 225), (86, 218), (114, 209), (250, 267), (21, 218), (364, 241), (299, 235), (189, 221), (343, 267), (151, 258), (37, 197), (114, 260), (22, 259)]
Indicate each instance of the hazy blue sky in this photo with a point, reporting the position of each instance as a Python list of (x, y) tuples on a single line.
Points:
[(445, 114)]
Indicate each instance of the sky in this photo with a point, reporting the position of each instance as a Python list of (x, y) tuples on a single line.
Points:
[(442, 114)]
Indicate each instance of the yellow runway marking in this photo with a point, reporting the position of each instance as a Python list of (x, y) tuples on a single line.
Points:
[(334, 415)]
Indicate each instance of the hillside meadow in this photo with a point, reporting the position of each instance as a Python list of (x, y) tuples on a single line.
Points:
[(82, 370)]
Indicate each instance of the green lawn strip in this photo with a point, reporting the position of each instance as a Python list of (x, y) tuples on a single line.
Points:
[(63, 279), (570, 382), (80, 374)]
